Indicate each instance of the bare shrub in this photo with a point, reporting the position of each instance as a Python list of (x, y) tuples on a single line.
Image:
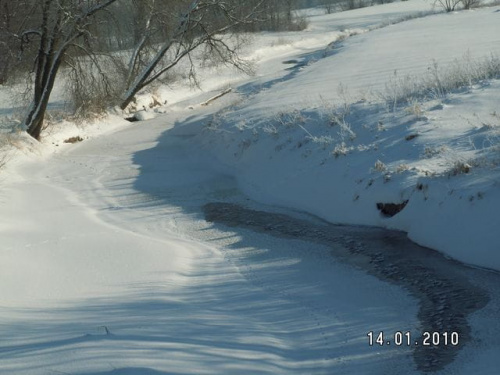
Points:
[(447, 5), (469, 4), (353, 4), (459, 167), (329, 7), (273, 15), (299, 23), (92, 84)]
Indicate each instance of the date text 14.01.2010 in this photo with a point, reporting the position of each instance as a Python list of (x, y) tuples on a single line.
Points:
[(400, 338)]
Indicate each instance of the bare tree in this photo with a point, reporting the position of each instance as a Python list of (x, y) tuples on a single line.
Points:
[(12, 17), (5, 53), (329, 8), (204, 24), (468, 4), (110, 50), (59, 26), (448, 5)]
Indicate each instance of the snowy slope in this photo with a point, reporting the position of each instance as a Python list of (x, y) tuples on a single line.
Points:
[(303, 142), (364, 64)]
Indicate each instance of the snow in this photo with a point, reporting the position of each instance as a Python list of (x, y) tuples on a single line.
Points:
[(272, 141), (144, 115), (91, 251), (107, 265)]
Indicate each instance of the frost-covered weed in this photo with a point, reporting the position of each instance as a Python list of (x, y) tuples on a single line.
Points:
[(490, 123), (400, 89), (345, 131), (402, 168), (459, 163), (439, 81), (270, 129), (323, 140), (341, 150), (430, 152), (336, 113), (415, 108), (459, 167), (290, 119), (379, 167)]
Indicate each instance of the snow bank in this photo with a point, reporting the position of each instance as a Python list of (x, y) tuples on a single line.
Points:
[(319, 140)]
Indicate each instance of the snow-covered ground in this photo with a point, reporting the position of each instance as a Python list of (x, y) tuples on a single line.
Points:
[(318, 138), (107, 265), (110, 253)]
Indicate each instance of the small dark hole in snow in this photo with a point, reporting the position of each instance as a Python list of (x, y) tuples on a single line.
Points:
[(131, 119), (391, 209)]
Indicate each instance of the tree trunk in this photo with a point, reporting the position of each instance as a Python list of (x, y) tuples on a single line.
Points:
[(143, 77), (36, 126), (59, 29), (129, 98), (34, 120)]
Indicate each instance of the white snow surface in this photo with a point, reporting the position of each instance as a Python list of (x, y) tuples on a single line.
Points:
[(106, 267), (99, 275), (283, 147)]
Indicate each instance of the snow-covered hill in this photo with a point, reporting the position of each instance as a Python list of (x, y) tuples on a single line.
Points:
[(326, 137)]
